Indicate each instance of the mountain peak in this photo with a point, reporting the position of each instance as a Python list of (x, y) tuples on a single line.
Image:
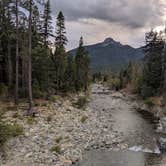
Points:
[(111, 54), (109, 40)]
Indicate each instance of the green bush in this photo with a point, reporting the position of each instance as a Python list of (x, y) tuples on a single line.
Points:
[(8, 131), (31, 120), (56, 149), (17, 116), (81, 102), (83, 119), (53, 98), (114, 83), (137, 84), (49, 118), (149, 102), (58, 139)]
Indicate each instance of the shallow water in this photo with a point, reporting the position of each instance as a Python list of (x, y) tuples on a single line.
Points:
[(126, 158), (136, 130)]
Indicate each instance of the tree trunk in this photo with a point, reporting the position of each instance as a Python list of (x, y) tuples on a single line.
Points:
[(30, 110), (17, 56), (163, 84), (10, 72), (164, 70)]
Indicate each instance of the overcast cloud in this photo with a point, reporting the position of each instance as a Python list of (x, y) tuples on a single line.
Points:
[(124, 20)]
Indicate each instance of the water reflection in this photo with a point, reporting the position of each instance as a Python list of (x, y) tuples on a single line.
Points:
[(126, 158)]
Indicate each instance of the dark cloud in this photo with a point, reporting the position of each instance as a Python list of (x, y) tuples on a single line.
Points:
[(131, 13), (124, 20)]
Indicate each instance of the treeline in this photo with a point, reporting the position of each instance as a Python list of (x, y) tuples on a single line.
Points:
[(148, 77), (28, 65), (150, 80)]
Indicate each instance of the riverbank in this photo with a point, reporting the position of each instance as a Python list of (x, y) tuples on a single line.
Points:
[(59, 136), (62, 133)]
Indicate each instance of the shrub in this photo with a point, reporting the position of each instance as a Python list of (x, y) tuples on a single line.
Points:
[(53, 98), (137, 84), (44, 104), (56, 149), (8, 131), (31, 120), (17, 115), (149, 102), (81, 102), (114, 83), (58, 140), (83, 119), (49, 118)]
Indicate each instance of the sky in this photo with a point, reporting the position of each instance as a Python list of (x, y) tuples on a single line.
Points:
[(126, 21)]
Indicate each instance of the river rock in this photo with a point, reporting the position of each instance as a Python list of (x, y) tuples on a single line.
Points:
[(162, 144), (162, 125)]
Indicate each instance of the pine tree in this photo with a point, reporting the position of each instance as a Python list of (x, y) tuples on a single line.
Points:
[(47, 25), (9, 50), (70, 75), (129, 72), (26, 64), (79, 66), (163, 83), (17, 54), (82, 67), (86, 71), (30, 110), (30, 31), (60, 56), (152, 72), (5, 43)]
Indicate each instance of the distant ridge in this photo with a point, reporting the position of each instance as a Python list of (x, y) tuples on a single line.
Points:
[(111, 54)]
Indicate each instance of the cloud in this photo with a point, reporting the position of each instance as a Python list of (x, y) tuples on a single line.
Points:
[(131, 13), (124, 20)]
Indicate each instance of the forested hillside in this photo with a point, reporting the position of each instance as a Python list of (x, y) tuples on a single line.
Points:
[(33, 59)]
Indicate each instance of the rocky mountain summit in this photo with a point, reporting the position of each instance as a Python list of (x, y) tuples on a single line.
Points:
[(111, 54)]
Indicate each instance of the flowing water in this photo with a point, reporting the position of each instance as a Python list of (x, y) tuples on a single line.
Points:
[(136, 130)]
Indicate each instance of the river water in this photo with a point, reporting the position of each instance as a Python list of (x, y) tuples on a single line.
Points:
[(134, 129)]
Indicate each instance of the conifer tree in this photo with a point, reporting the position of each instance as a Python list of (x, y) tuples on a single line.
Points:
[(70, 75), (86, 71), (163, 83), (26, 64), (17, 54), (79, 66), (30, 46), (152, 72), (47, 23), (6, 26), (60, 56), (82, 67), (30, 110), (9, 47)]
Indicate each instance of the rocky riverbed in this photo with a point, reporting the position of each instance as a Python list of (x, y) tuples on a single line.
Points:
[(62, 133)]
